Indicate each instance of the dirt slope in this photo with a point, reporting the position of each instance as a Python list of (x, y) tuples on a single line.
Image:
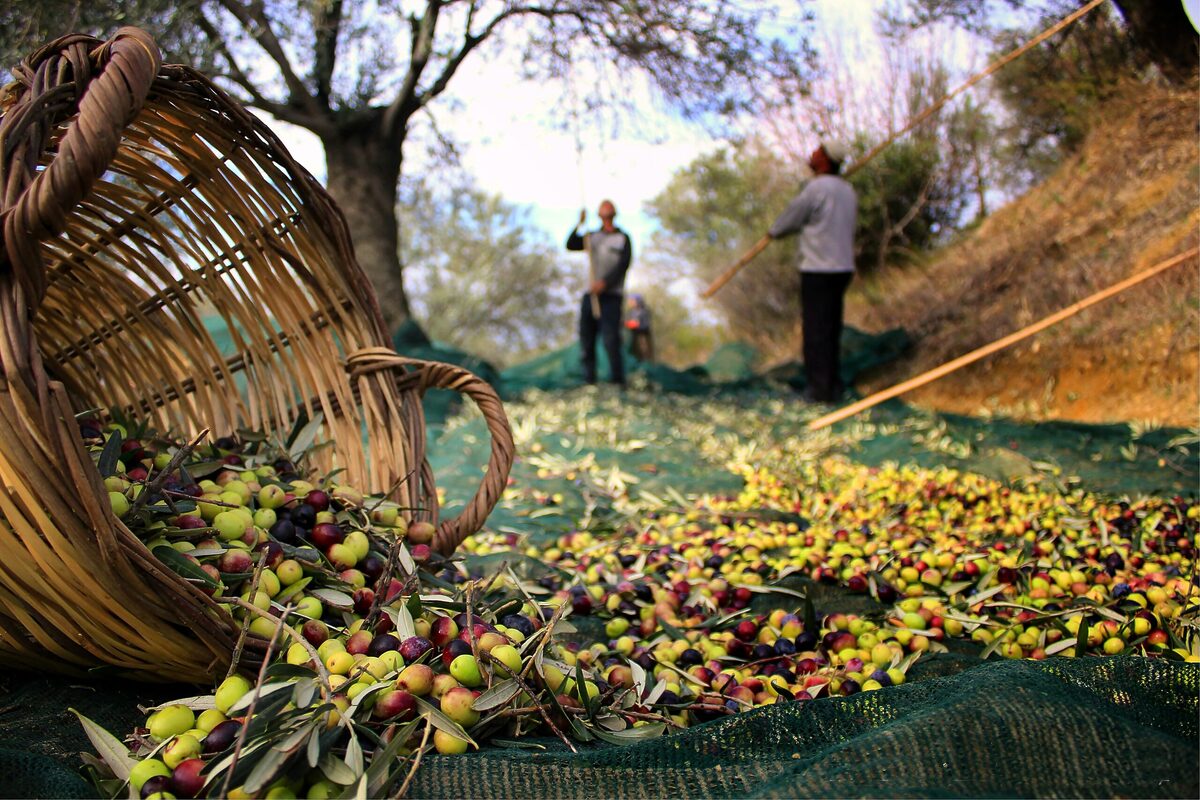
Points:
[(1127, 200)]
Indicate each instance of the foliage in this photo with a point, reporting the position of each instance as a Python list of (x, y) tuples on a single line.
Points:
[(907, 200), (482, 277), (909, 197), (25, 26), (1155, 31), (1054, 93), (715, 209)]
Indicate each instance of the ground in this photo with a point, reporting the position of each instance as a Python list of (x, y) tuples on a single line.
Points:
[(1126, 201)]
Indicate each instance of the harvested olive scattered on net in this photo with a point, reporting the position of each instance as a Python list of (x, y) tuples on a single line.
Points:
[(684, 616)]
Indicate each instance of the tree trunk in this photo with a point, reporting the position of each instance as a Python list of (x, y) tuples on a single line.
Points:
[(1162, 30), (364, 173)]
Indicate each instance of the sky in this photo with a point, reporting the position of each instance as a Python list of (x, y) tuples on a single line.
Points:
[(511, 146)]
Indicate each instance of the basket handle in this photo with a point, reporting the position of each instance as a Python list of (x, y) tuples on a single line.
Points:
[(110, 84), (437, 375)]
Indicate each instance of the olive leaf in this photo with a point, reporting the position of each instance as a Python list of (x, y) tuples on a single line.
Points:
[(405, 625), (313, 752), (336, 770), (385, 758), (293, 590), (115, 754), (266, 769), (1060, 645), (443, 723), (245, 700), (497, 696), (641, 733), (810, 616), (334, 599), (201, 702), (639, 678), (107, 463), (354, 755), (517, 744), (175, 561), (305, 437)]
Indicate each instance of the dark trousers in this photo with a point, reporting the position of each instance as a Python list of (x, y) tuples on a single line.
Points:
[(609, 328), (641, 345), (822, 298)]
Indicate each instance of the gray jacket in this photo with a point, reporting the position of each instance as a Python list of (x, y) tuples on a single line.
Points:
[(610, 254), (824, 214)]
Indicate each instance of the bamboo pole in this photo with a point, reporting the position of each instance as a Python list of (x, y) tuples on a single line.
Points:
[(1012, 55), (726, 276), (982, 352), (587, 247)]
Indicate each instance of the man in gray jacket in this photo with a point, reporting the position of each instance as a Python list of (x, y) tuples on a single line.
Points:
[(610, 254), (824, 214)]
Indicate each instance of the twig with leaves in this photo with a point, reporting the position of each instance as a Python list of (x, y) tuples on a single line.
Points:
[(258, 684), (156, 485)]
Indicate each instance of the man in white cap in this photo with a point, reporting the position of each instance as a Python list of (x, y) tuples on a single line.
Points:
[(824, 214)]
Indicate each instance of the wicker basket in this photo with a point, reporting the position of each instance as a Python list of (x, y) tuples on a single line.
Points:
[(139, 198)]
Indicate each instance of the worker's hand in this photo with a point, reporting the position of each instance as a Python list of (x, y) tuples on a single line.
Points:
[(582, 215), (598, 287)]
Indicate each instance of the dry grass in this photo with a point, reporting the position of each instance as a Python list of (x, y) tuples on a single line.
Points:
[(1127, 200)]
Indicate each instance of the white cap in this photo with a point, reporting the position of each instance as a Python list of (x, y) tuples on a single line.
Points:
[(837, 150)]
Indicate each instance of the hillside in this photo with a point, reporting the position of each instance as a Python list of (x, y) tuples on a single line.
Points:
[(1125, 201)]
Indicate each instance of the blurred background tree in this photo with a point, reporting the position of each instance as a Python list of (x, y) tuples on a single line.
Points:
[(715, 209), (482, 278), (1053, 93)]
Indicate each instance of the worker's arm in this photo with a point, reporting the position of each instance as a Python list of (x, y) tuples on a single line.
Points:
[(575, 241), (795, 216)]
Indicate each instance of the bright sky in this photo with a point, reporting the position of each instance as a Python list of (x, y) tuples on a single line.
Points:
[(510, 145)]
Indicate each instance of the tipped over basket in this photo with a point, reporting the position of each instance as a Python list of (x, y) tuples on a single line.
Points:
[(140, 199)]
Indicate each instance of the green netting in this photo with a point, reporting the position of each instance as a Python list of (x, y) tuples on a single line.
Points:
[(41, 741), (730, 368), (1087, 728), (1116, 459), (1122, 727)]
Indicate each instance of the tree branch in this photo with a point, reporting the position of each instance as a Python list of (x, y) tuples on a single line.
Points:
[(327, 22), (469, 43), (253, 19), (253, 96), (405, 103), (409, 99)]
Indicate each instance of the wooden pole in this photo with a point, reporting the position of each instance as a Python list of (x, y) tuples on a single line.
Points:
[(975, 355), (587, 248), (728, 274)]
